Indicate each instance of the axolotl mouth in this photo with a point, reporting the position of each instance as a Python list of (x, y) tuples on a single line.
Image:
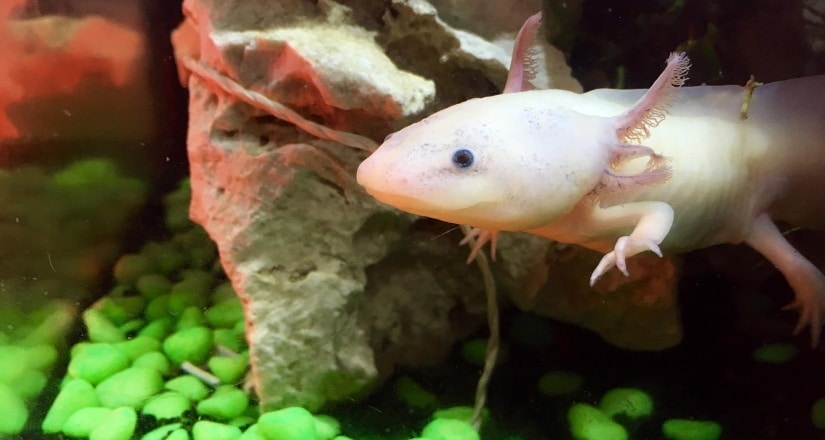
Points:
[(405, 203)]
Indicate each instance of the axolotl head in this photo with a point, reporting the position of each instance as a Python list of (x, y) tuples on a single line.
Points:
[(505, 162)]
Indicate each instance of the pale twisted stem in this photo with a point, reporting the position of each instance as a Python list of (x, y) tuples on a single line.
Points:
[(494, 339), (280, 111)]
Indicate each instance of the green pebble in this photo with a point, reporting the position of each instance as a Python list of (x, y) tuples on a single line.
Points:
[(240, 328), (130, 267), (203, 255), (181, 300), (84, 421), (252, 433), (96, 362), (557, 383), (177, 218), (203, 277), (775, 353), (190, 317), (226, 403), (171, 260), (77, 348), (818, 413), (120, 310), (228, 369), (682, 429), (11, 367), (178, 434), (206, 430), (154, 360), (75, 394), (162, 432), (589, 423), (474, 351), (120, 425), (225, 314), (191, 344), (630, 402), (153, 285), (130, 387), (244, 420), (168, 405), (463, 413), (13, 410), (414, 394), (223, 292), (293, 423), (100, 328), (138, 346), (327, 427), (190, 386), (158, 329), (132, 326), (449, 429), (195, 285), (29, 384), (41, 356), (229, 339), (158, 308)]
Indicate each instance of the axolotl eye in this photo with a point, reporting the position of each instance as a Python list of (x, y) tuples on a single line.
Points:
[(463, 158)]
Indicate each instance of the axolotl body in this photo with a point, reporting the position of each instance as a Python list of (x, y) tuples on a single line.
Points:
[(623, 171)]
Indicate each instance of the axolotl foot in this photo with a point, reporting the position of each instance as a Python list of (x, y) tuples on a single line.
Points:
[(807, 282), (811, 306), (625, 247)]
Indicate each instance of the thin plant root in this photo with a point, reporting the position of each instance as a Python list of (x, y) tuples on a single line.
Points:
[(494, 339), (280, 111)]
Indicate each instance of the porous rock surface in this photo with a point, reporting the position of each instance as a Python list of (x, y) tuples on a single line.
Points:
[(337, 289)]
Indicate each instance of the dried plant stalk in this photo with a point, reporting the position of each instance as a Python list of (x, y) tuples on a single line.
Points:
[(280, 111), (493, 340)]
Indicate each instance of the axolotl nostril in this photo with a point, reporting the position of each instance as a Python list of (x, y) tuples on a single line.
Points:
[(667, 169)]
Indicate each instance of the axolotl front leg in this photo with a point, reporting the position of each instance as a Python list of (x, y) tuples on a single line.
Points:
[(651, 223)]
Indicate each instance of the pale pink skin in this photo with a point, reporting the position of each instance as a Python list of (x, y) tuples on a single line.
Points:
[(623, 171)]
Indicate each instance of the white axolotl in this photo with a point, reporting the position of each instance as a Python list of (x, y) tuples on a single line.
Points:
[(623, 171)]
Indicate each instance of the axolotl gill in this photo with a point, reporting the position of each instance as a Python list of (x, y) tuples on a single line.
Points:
[(667, 169)]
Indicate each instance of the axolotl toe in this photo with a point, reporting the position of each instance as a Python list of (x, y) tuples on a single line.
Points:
[(667, 169)]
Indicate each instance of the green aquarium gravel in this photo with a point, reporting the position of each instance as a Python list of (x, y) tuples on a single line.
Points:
[(413, 394), (192, 344), (818, 413), (557, 383), (166, 406), (775, 353), (97, 361), (13, 409), (119, 425), (683, 429), (287, 424), (629, 402), (449, 429), (75, 394), (207, 430), (83, 421), (590, 423)]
